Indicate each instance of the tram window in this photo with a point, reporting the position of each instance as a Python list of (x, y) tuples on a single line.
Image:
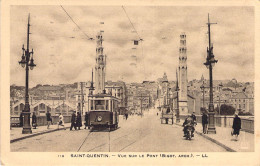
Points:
[(100, 104)]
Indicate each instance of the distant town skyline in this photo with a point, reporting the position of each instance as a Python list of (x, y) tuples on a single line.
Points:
[(64, 55)]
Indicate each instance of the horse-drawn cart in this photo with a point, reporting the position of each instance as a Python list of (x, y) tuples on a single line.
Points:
[(166, 115)]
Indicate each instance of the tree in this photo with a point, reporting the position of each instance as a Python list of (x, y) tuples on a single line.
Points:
[(227, 110)]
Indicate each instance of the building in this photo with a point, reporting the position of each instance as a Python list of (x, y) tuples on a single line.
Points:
[(118, 89), (163, 87), (242, 103), (139, 97), (40, 107)]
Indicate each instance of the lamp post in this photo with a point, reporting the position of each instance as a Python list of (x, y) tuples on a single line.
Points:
[(27, 61), (210, 62)]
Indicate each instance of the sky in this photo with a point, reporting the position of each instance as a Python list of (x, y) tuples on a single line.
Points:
[(63, 53)]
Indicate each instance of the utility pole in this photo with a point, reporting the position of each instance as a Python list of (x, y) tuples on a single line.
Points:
[(210, 62), (82, 98), (177, 90), (91, 89)]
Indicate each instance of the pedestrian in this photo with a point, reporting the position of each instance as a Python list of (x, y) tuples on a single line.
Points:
[(34, 120), (204, 122), (48, 116), (86, 119), (78, 120), (61, 122), (126, 116), (236, 126), (21, 119), (73, 121), (188, 121)]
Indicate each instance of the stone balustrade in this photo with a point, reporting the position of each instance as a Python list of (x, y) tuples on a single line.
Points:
[(247, 122)]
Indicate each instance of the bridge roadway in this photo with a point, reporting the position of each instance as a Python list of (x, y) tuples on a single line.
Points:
[(136, 134)]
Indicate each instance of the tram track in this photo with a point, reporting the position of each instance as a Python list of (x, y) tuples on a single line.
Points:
[(84, 141), (124, 139), (111, 141), (92, 133), (141, 137)]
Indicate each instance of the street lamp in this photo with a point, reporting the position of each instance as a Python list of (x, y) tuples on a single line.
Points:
[(210, 62), (27, 61)]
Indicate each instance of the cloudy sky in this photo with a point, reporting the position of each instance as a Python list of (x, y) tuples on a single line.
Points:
[(64, 55)]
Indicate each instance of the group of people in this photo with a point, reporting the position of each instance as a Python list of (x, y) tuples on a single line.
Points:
[(76, 121), (191, 120)]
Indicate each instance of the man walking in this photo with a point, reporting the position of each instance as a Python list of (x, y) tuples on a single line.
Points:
[(34, 120), (204, 122), (48, 116), (21, 119), (73, 121), (236, 126), (78, 121)]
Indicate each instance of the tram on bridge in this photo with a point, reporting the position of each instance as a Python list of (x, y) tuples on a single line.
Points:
[(103, 111)]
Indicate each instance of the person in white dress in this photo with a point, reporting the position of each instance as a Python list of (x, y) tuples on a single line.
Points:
[(61, 122)]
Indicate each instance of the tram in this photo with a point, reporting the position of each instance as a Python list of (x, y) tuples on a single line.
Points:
[(103, 111)]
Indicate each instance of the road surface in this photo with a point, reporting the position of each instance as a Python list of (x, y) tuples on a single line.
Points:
[(136, 134)]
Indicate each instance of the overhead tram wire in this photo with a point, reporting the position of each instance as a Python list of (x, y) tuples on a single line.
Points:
[(89, 38), (131, 23), (140, 39)]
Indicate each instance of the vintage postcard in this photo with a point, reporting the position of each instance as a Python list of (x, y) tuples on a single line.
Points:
[(117, 83)]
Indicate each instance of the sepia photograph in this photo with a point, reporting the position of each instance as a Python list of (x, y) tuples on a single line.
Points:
[(130, 81)]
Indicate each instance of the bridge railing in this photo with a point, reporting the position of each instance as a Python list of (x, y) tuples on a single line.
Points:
[(247, 122), (41, 120)]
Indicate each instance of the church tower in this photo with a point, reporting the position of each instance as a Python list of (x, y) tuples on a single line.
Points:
[(183, 81), (100, 66)]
